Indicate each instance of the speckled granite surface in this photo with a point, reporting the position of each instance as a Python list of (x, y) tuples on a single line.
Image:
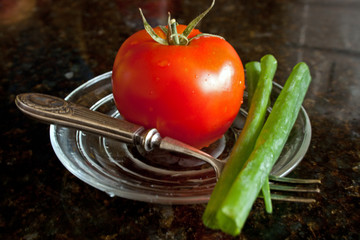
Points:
[(54, 46)]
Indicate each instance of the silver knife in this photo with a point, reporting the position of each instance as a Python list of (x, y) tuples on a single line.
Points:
[(54, 110)]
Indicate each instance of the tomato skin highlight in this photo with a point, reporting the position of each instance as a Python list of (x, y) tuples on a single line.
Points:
[(191, 93)]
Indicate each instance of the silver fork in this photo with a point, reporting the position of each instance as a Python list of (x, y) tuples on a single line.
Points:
[(54, 110)]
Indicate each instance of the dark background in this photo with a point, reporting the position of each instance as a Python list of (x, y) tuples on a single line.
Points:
[(54, 46)]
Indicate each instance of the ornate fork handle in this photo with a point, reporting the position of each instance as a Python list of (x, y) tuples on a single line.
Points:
[(55, 110)]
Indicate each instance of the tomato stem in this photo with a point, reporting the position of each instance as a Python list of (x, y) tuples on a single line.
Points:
[(172, 37)]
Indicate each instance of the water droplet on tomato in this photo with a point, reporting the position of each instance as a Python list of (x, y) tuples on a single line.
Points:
[(164, 63)]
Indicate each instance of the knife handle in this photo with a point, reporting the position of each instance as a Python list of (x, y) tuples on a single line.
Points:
[(54, 110)]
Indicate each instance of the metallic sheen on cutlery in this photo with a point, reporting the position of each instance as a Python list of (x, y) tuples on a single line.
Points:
[(54, 110)]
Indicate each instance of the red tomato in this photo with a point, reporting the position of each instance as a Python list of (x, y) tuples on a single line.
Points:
[(191, 93)]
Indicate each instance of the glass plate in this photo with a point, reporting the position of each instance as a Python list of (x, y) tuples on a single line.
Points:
[(122, 170)]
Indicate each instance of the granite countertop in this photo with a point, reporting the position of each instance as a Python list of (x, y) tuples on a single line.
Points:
[(54, 46)]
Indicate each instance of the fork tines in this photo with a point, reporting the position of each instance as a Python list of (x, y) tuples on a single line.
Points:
[(286, 184)]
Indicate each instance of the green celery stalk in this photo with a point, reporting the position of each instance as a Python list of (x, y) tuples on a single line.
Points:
[(253, 70), (238, 202), (265, 189), (245, 142)]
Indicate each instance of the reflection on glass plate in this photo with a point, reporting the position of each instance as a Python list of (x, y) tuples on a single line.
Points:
[(123, 170)]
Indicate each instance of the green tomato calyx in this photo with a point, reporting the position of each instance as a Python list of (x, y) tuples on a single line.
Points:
[(172, 37)]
